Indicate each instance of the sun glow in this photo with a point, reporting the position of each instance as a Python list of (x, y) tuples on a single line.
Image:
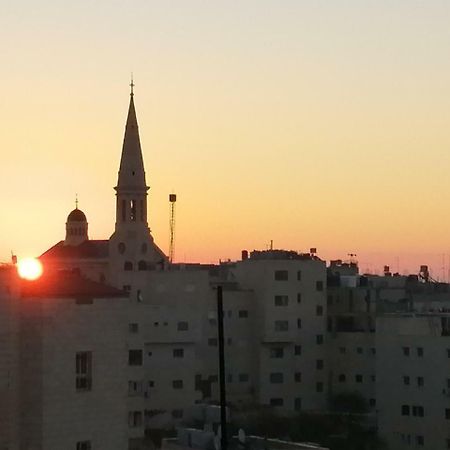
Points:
[(29, 268)]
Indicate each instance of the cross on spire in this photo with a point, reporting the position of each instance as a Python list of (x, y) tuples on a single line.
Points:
[(76, 201), (132, 85)]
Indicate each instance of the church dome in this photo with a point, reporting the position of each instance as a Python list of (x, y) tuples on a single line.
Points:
[(76, 216)]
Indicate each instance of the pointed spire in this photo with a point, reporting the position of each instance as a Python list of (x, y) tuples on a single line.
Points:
[(76, 201), (131, 172)]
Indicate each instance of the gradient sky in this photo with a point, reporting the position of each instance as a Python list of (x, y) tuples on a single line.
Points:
[(313, 123)]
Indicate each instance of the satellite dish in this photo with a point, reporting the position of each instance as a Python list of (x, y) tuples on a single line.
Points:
[(217, 442), (241, 436)]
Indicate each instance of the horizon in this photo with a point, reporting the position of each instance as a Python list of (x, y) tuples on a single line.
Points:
[(312, 125)]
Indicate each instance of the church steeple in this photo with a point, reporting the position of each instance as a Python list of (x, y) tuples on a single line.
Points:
[(131, 185)]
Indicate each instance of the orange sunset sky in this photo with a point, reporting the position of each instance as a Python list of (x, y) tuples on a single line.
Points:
[(310, 123)]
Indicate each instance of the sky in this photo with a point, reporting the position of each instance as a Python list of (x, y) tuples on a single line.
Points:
[(310, 123)]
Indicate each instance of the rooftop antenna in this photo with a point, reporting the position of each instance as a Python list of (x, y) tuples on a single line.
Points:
[(172, 201), (132, 85)]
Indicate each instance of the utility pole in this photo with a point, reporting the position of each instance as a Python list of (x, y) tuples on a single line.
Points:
[(223, 401)]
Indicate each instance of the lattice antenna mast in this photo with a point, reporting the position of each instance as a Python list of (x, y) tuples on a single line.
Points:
[(172, 200)]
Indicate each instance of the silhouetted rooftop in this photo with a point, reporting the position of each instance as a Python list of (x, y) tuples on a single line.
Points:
[(87, 249)]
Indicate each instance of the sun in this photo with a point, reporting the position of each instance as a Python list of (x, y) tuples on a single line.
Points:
[(29, 268)]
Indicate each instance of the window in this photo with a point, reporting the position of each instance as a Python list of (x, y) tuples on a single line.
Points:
[(405, 351), (83, 369), (298, 377), (420, 352), (359, 350), (447, 413), (420, 440), (276, 378), (359, 378), (212, 342), (373, 378), (276, 352), (142, 265), (418, 411), (299, 323), (342, 378), (299, 297), (319, 364), (128, 265), (448, 353), (281, 300), (151, 384), (276, 402), (448, 443), (281, 275), (126, 287), (406, 380), (243, 377), (135, 419), (84, 445), (177, 384), (135, 357), (319, 386), (373, 351), (319, 339), (243, 314), (178, 353), (297, 350), (133, 327), (134, 388), (405, 410), (420, 381), (319, 310), (342, 350), (298, 404), (319, 286), (281, 325), (177, 413), (182, 326), (299, 275), (372, 402)]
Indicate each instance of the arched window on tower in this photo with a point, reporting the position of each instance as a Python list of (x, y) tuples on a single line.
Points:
[(142, 265), (128, 265), (133, 210)]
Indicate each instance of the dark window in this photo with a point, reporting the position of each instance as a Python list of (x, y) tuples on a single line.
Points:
[(405, 351), (178, 353), (319, 364), (319, 310), (243, 314), (212, 342), (281, 300), (83, 370), (142, 265), (342, 350), (420, 381), (448, 353), (134, 388), (299, 323), (276, 352), (319, 386), (418, 411), (135, 419), (420, 351), (243, 377), (135, 357), (299, 297), (297, 350), (182, 326), (319, 339), (447, 413), (359, 350), (133, 327), (359, 378), (319, 285), (298, 404), (342, 378), (281, 275), (372, 402), (276, 402), (84, 445), (281, 325), (406, 380), (177, 413), (420, 440), (126, 287), (276, 377), (177, 384), (373, 350), (405, 410), (298, 377), (128, 265)]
